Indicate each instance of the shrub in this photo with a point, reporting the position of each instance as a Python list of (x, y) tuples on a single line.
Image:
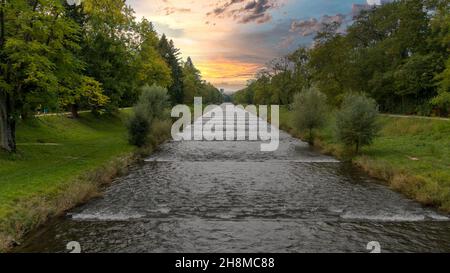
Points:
[(151, 106), (138, 129), (310, 110), (356, 122)]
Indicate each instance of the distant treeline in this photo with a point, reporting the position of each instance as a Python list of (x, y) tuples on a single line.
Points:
[(397, 54), (96, 55)]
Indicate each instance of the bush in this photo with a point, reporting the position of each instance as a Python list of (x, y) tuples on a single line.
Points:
[(151, 106), (310, 110), (356, 122), (138, 129)]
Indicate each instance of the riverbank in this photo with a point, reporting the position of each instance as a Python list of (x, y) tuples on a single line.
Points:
[(411, 155), (60, 164)]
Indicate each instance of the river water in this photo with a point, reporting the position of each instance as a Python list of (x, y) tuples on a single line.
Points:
[(228, 196)]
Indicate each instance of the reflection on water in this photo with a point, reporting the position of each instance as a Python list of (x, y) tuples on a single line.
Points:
[(198, 196)]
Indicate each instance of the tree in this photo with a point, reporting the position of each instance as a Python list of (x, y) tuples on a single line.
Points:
[(330, 63), (108, 50), (211, 94), (310, 111), (302, 77), (150, 66), (356, 122), (442, 100), (152, 104), (87, 92), (171, 55), (75, 89), (32, 36), (262, 88), (281, 81), (191, 81), (441, 39)]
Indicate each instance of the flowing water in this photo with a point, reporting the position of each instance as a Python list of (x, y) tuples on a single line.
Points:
[(228, 196)]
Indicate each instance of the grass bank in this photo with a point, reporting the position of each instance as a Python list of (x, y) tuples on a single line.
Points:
[(62, 163), (412, 155)]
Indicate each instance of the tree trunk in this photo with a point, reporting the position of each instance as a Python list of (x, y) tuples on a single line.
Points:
[(311, 136), (74, 111), (7, 124)]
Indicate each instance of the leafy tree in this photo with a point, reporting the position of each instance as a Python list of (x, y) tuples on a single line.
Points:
[(356, 122), (211, 94), (108, 35), (331, 66), (88, 93), (441, 39), (245, 96), (171, 55), (191, 81), (300, 59), (151, 67), (34, 36), (282, 88), (442, 100), (262, 89), (152, 105), (310, 111)]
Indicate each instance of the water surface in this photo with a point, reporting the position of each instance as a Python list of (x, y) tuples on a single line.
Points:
[(228, 196)]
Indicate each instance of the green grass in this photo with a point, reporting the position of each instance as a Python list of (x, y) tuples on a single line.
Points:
[(412, 155), (73, 147), (54, 153)]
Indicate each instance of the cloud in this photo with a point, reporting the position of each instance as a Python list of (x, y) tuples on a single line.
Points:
[(313, 25), (246, 11), (168, 30), (172, 10)]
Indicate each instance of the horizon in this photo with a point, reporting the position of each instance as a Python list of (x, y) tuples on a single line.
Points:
[(229, 41)]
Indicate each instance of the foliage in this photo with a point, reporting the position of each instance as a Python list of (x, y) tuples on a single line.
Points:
[(411, 154), (441, 27), (310, 110), (151, 68), (59, 56), (194, 86), (395, 53), (356, 121), (172, 57), (151, 106)]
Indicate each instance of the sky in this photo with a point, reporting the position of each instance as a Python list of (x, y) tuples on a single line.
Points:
[(230, 40)]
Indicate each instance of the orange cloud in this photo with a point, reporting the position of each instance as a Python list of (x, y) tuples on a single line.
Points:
[(219, 70)]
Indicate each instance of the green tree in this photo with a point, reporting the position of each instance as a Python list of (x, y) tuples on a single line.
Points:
[(191, 81), (87, 93), (150, 66), (356, 122), (171, 55), (310, 111), (34, 39), (262, 89), (108, 50), (302, 77), (330, 63), (441, 39), (151, 105)]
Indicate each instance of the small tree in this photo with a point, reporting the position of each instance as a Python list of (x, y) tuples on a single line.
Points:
[(151, 105), (310, 108), (356, 122)]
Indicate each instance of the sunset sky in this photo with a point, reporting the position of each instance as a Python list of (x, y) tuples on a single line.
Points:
[(229, 40)]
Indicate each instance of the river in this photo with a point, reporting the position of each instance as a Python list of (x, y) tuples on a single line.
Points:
[(228, 196)]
